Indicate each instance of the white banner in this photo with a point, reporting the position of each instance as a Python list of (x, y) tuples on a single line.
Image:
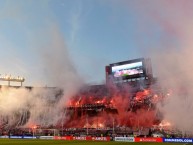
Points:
[(125, 139), (4, 136), (46, 137)]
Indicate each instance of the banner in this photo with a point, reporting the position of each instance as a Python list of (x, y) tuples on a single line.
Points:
[(79, 138), (185, 140), (125, 139), (5, 136), (63, 137), (148, 139), (46, 137), (29, 137), (16, 137), (87, 138), (101, 138)]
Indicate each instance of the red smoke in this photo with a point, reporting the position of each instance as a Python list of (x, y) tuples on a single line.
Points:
[(118, 100)]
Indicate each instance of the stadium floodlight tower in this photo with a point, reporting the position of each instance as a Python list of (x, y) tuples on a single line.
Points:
[(10, 79)]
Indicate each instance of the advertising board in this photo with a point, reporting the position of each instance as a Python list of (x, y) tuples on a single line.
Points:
[(29, 137), (148, 139), (101, 138), (179, 140), (63, 138), (125, 139), (16, 137), (5, 136), (87, 138), (46, 137)]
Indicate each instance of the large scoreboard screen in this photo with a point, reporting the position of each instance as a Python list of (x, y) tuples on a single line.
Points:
[(128, 69)]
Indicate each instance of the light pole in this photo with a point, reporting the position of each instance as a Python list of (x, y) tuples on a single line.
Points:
[(54, 132), (33, 131), (62, 124), (113, 126), (10, 79), (87, 124), (63, 114)]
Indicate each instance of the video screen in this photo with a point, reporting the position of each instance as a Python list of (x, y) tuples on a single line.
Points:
[(125, 70)]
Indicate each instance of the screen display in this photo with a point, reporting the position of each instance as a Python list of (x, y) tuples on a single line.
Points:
[(125, 70)]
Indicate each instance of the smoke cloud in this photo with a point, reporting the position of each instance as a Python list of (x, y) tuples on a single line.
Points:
[(40, 105), (171, 55), (166, 33)]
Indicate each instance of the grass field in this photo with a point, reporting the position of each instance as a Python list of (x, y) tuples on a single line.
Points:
[(60, 142)]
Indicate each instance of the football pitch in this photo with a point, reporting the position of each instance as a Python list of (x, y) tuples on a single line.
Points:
[(61, 142)]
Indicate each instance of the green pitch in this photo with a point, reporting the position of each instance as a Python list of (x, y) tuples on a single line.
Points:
[(60, 142)]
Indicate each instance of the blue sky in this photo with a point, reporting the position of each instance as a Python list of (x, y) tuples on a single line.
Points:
[(95, 33)]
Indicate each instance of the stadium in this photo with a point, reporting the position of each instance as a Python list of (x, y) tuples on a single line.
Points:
[(124, 109)]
